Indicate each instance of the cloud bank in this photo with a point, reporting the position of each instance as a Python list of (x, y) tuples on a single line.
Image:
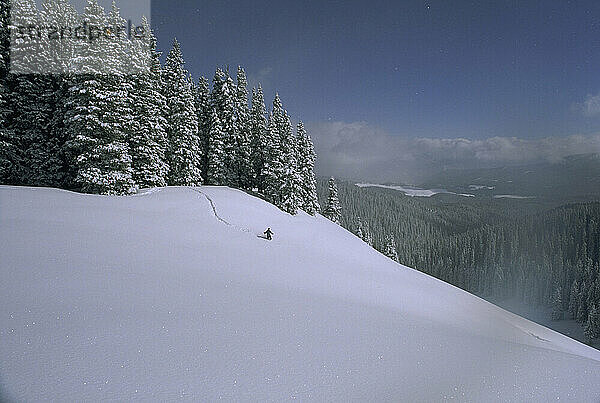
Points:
[(359, 151)]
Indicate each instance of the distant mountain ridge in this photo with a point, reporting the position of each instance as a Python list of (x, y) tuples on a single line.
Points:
[(573, 177)]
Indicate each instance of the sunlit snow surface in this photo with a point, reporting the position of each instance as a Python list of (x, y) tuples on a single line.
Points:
[(171, 294)]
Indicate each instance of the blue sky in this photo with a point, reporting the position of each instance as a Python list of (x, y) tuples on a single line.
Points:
[(412, 69)]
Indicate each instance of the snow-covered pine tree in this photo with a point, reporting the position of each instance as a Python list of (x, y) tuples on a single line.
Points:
[(258, 137), (273, 171), (10, 155), (31, 98), (242, 172), (362, 231), (592, 325), (290, 195), (216, 173), (95, 118), (183, 152), (557, 308), (60, 54), (333, 209), (280, 180), (306, 164), (359, 228), (582, 308), (61, 62), (367, 235), (204, 112), (594, 294), (390, 248), (223, 101), (28, 54), (9, 150), (34, 103), (148, 142), (229, 127), (129, 60), (4, 39), (573, 306)]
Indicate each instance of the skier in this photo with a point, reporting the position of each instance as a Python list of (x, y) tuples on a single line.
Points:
[(269, 233)]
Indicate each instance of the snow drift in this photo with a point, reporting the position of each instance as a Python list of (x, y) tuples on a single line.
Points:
[(171, 294)]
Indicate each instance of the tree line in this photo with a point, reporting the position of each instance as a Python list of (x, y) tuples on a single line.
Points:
[(99, 128)]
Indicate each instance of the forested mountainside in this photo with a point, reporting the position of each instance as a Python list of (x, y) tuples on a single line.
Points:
[(493, 248)]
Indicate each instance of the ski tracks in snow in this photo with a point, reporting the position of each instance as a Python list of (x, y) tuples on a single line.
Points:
[(212, 205), (216, 214)]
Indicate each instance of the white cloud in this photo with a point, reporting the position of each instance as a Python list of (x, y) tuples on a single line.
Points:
[(358, 150), (590, 106)]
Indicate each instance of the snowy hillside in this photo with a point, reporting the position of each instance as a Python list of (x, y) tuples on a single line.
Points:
[(170, 294)]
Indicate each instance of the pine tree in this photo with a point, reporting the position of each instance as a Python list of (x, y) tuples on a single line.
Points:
[(333, 210), (8, 149), (258, 138), (582, 305), (183, 153), (306, 163), (573, 306), (35, 103), (96, 119), (359, 229), (4, 40), (390, 249), (148, 140), (593, 293), (592, 325), (367, 235), (204, 112), (216, 172), (60, 57), (97, 147), (10, 154), (223, 102), (30, 104), (557, 308), (242, 171), (28, 56), (362, 231), (273, 169), (291, 181), (123, 86), (594, 297)]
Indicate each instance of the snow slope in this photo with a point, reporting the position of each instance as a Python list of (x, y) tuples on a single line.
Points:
[(170, 294)]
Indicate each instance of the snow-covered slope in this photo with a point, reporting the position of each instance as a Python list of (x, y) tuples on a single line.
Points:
[(171, 294)]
